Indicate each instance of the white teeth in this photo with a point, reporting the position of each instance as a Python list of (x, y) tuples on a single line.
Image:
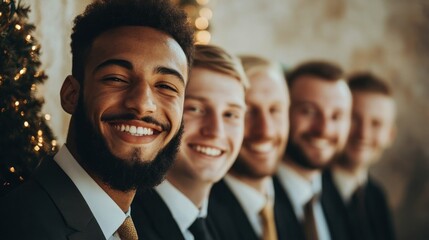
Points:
[(133, 130), (207, 150), (262, 147), (319, 143)]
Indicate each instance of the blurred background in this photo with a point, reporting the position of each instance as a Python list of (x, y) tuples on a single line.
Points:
[(387, 37)]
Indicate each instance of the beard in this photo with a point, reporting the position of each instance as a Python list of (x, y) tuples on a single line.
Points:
[(121, 174), (297, 154), (241, 168)]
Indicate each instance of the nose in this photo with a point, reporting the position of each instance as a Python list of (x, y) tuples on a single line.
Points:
[(262, 125), (323, 126), (139, 98), (360, 129), (213, 125)]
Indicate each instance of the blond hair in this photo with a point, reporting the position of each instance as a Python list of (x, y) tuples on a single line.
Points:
[(217, 59)]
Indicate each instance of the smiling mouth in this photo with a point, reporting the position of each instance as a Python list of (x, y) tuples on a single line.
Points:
[(135, 130), (209, 151), (261, 147)]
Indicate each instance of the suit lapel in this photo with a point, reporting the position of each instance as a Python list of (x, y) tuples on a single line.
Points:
[(68, 199), (152, 217), (227, 214), (287, 223), (334, 209)]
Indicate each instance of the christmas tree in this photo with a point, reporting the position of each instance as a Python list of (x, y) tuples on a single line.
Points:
[(25, 137)]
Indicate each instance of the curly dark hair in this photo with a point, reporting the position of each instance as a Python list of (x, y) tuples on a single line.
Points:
[(103, 15), (318, 68)]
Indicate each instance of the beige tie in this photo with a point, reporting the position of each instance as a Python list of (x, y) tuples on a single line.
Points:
[(268, 222), (310, 227), (127, 231)]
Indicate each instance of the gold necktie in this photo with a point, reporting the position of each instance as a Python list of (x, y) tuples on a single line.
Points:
[(127, 231), (310, 227), (268, 222)]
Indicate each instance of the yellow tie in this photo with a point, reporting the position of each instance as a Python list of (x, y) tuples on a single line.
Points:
[(268, 222), (127, 231)]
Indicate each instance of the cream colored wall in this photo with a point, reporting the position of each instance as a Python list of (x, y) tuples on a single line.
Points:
[(389, 37)]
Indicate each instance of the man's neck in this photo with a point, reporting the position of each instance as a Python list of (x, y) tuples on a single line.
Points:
[(306, 173), (122, 199), (195, 190)]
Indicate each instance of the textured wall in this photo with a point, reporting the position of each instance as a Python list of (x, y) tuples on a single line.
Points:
[(389, 37)]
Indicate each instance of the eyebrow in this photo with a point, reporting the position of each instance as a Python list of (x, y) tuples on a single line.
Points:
[(169, 71), (126, 64), (202, 99), (118, 62)]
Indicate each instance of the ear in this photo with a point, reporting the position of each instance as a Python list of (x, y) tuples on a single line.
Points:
[(70, 94), (392, 135)]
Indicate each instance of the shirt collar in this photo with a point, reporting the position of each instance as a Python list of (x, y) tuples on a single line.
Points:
[(108, 214), (347, 183), (183, 210), (244, 192), (299, 189)]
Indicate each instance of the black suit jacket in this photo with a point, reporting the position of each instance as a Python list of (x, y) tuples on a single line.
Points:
[(47, 206), (153, 219), (377, 211), (335, 214), (230, 220)]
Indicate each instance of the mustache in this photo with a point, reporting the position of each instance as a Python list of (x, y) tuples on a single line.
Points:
[(131, 116)]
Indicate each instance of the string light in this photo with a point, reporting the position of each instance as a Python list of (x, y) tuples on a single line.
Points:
[(18, 27), (28, 38), (23, 71), (33, 87), (26, 124), (206, 13), (12, 169), (47, 117), (202, 23), (37, 148), (16, 103), (39, 133)]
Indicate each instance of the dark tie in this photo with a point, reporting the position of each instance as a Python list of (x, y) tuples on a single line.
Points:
[(200, 230), (310, 229), (127, 231)]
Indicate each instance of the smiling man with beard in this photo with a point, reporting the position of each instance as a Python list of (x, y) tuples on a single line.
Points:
[(131, 60), (320, 116)]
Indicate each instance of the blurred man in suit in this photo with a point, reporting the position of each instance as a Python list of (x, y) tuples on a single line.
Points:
[(129, 72), (241, 205), (214, 112), (372, 132), (320, 116)]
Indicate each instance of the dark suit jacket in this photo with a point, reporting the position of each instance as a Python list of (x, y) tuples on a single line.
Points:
[(335, 214), (377, 212), (230, 220), (47, 206), (153, 219)]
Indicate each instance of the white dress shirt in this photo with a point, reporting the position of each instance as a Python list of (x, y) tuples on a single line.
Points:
[(108, 214), (300, 191), (250, 200), (183, 210), (347, 183)]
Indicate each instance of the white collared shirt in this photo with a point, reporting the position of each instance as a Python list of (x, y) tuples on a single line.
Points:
[(347, 183), (251, 200), (300, 191), (108, 214), (183, 210)]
